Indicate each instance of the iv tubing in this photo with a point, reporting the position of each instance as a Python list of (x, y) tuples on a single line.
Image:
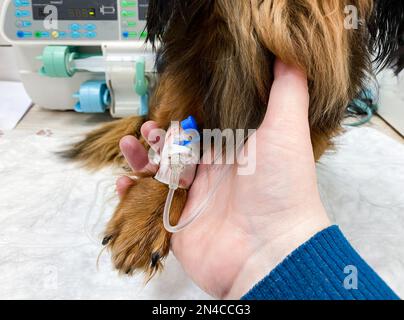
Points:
[(196, 213), (199, 210)]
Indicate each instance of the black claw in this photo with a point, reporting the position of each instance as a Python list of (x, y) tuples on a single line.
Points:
[(106, 240), (155, 259)]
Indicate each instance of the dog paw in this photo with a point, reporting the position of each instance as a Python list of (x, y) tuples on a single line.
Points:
[(136, 236)]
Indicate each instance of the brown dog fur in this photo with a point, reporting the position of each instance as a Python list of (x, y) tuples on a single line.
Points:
[(215, 63), (137, 239)]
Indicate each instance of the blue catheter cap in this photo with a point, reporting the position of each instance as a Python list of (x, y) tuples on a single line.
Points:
[(189, 123)]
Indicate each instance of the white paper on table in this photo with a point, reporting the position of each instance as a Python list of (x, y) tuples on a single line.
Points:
[(14, 103)]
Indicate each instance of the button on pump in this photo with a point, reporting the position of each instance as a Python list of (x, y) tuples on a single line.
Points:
[(127, 3), (21, 3), (128, 14), (23, 34), (91, 34), (22, 13), (75, 27), (23, 24), (76, 35), (42, 34), (129, 34), (90, 27), (130, 24)]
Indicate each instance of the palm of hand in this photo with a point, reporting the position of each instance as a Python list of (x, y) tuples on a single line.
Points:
[(244, 214)]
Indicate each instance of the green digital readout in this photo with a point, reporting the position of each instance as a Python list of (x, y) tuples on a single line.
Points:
[(81, 13)]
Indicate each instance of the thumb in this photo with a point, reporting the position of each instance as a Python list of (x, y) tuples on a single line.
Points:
[(288, 102)]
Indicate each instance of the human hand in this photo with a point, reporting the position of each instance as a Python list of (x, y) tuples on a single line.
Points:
[(252, 222)]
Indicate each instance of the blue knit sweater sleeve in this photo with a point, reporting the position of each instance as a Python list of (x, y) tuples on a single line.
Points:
[(324, 268)]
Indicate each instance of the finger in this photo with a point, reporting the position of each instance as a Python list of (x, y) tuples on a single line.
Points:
[(122, 185), (137, 156), (153, 135), (134, 153), (289, 99)]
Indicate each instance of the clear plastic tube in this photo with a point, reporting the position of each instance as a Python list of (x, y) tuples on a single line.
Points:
[(197, 212), (95, 64)]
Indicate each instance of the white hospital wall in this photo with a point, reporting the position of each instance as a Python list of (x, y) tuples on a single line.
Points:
[(8, 65)]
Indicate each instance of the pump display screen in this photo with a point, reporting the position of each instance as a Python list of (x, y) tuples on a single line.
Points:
[(75, 9)]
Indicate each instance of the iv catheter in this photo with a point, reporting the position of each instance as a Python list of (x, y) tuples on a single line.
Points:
[(180, 169), (179, 158)]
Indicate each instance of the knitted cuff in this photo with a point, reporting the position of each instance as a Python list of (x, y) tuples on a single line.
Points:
[(324, 268)]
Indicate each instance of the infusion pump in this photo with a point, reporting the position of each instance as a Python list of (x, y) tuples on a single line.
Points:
[(85, 55)]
